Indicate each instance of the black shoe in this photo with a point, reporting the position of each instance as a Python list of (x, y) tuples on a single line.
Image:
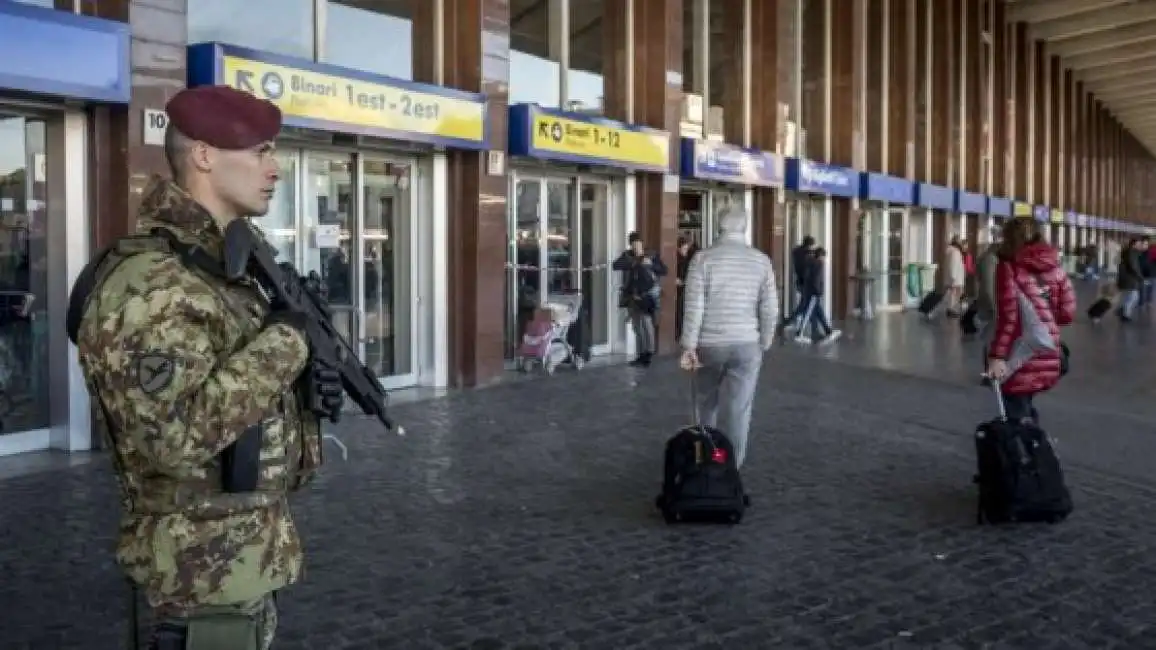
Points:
[(644, 360), (638, 361)]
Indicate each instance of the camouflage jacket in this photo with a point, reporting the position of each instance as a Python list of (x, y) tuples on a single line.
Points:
[(179, 365)]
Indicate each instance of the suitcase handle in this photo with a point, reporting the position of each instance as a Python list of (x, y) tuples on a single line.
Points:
[(998, 395), (694, 413)]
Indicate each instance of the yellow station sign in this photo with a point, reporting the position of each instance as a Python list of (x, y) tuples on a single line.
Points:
[(1021, 209), (1057, 216), (621, 145), (309, 98)]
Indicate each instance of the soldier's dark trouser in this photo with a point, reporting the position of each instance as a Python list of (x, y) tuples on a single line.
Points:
[(244, 626)]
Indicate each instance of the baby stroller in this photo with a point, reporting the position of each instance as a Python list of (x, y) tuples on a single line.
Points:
[(545, 340)]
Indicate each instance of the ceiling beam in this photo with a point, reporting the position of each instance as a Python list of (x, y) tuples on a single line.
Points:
[(1093, 21), (1105, 74), (1106, 40), (1130, 82), (1133, 112), (1125, 101), (1125, 54), (1035, 11)]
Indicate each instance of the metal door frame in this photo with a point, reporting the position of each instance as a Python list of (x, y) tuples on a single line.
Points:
[(301, 152), (545, 177)]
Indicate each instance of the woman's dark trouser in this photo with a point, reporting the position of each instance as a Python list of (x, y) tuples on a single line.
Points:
[(1019, 407), (679, 307)]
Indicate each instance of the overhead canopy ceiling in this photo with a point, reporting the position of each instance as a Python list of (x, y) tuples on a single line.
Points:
[(1110, 45)]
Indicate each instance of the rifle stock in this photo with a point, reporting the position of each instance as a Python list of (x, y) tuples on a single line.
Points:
[(246, 252)]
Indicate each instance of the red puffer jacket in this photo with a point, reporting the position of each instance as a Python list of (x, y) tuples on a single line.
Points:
[(1037, 272)]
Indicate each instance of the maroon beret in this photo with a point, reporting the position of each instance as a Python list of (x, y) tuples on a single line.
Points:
[(224, 117)]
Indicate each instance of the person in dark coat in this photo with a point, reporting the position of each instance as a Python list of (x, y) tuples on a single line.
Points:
[(642, 273), (686, 251), (1130, 279)]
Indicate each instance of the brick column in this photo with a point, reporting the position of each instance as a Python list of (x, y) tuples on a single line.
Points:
[(657, 98), (1038, 108), (1001, 131), (120, 162), (876, 66), (475, 58), (812, 111), (920, 69), (900, 88), (1020, 106), (971, 120), (772, 36), (845, 135), (942, 26), (1080, 148)]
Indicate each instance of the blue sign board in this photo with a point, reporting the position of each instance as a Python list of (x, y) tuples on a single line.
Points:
[(1040, 213), (887, 189), (819, 178), (716, 161), (62, 54), (999, 206), (936, 197), (972, 203)]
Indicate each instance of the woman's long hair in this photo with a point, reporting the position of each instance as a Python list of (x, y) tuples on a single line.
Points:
[(1017, 233)]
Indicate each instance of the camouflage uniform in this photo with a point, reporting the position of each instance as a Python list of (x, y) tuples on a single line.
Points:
[(182, 363)]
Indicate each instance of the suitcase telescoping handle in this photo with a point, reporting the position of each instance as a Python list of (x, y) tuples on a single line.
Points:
[(696, 417), (998, 396)]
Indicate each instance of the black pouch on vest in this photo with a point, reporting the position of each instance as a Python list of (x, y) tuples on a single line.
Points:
[(241, 462)]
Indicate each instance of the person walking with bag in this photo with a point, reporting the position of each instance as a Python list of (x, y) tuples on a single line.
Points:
[(732, 310), (1034, 298)]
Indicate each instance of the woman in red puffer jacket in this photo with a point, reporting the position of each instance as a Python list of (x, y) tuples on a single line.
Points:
[(1031, 265)]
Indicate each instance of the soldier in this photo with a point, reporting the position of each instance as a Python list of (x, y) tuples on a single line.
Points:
[(197, 384)]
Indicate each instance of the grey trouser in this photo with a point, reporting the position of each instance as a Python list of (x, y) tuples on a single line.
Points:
[(643, 323), (726, 390)]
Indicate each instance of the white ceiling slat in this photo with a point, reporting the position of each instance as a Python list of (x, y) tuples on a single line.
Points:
[(1116, 56), (1110, 46), (1107, 40), (1094, 21), (1035, 11)]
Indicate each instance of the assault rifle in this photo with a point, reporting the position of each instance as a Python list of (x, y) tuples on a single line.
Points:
[(246, 252)]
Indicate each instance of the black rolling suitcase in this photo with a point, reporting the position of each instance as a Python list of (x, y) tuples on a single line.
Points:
[(969, 322), (1099, 308), (930, 302), (1019, 475), (701, 480)]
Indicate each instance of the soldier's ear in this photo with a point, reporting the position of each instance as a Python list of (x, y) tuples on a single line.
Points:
[(202, 157)]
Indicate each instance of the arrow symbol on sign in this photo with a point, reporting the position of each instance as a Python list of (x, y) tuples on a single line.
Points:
[(244, 81)]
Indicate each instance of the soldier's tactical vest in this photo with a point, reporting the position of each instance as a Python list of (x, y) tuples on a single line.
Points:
[(145, 492)]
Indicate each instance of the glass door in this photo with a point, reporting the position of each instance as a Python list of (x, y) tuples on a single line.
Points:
[(387, 301), (326, 229), (560, 244), (893, 244), (594, 210)]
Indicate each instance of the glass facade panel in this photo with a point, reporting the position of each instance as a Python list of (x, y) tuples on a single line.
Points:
[(535, 75), (584, 82), (23, 274), (278, 26), (47, 4), (371, 36)]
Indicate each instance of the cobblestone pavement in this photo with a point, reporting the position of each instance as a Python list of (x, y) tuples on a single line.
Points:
[(520, 517)]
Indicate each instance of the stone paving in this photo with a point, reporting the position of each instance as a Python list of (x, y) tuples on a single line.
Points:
[(520, 517)]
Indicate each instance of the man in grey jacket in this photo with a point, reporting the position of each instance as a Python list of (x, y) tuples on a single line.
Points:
[(730, 317)]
